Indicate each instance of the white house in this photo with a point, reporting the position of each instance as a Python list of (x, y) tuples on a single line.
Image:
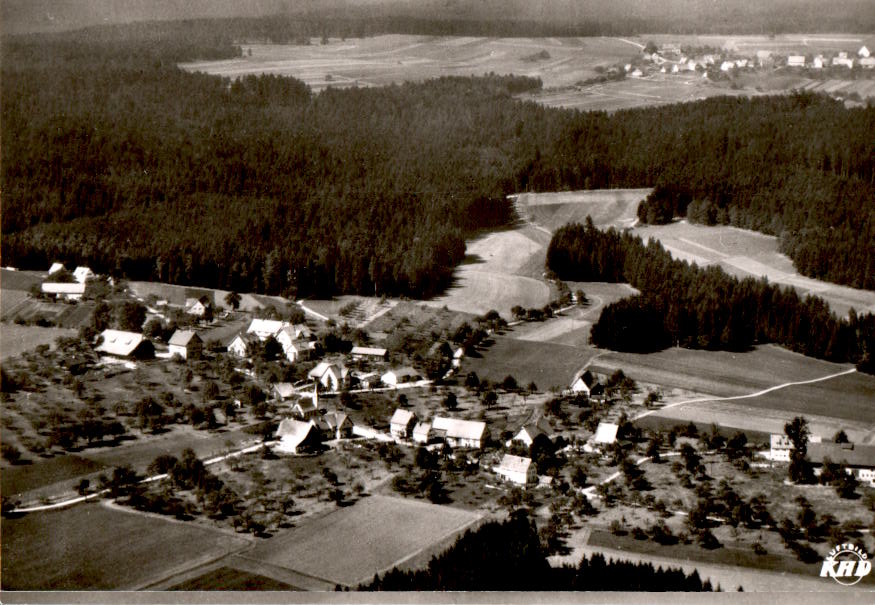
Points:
[(856, 459), (306, 407), (863, 52), (296, 436), (196, 307), (125, 344), (393, 378), (867, 62), (422, 432), (636, 73), (241, 345), (460, 433), (741, 62), (579, 386), (83, 274), (265, 328), (297, 350), (845, 61), (796, 61), (727, 66), (401, 423), (55, 268), (817, 63), (283, 390), (529, 432), (517, 469), (61, 290), (605, 433), (779, 448), (336, 424), (185, 343), (329, 375), (368, 353)]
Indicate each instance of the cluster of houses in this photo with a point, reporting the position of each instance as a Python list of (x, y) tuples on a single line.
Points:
[(841, 59), (455, 432), (67, 291), (296, 340), (855, 458)]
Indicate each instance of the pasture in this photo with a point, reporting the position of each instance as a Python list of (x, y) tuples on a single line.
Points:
[(544, 363), (21, 478), (94, 547), (16, 339), (746, 253), (607, 207), (351, 544), (229, 578), (383, 60), (20, 280)]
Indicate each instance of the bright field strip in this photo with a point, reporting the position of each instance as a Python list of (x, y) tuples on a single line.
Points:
[(349, 545), (15, 339), (746, 253), (93, 547)]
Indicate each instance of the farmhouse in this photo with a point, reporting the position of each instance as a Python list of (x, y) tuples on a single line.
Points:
[(402, 423), (185, 343), (636, 73), (125, 344), (55, 268), (779, 448), (796, 61), (867, 63), (241, 345), (83, 274), (727, 66), (265, 328), (460, 433), (283, 390), (856, 459), (580, 386), (517, 469), (365, 380), (196, 307), (296, 350), (336, 425), (297, 436), (458, 354), (605, 433), (863, 52), (393, 378), (849, 63), (329, 375), (65, 291), (529, 432), (368, 353), (817, 63), (422, 432), (307, 406)]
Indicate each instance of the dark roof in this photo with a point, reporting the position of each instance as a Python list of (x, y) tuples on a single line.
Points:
[(851, 454)]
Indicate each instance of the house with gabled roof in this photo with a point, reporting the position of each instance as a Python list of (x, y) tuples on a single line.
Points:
[(307, 405), (460, 433), (55, 268), (605, 433), (398, 376), (185, 343), (422, 432), (73, 291), (374, 353), (119, 343), (329, 375), (196, 306), (863, 52), (265, 328), (283, 390), (402, 423), (529, 432), (83, 274), (517, 469), (336, 425), (297, 436), (241, 344), (854, 458)]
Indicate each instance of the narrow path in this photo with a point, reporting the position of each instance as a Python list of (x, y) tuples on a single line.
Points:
[(629, 42)]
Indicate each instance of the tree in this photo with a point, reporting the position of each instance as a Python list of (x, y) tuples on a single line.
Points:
[(472, 381), (82, 486), (650, 47), (841, 437), (210, 391), (509, 383), (490, 398), (130, 316), (846, 485), (232, 299), (800, 470), (450, 401)]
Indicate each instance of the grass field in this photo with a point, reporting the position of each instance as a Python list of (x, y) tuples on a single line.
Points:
[(607, 207), (747, 253), (92, 547), (546, 364), (227, 578), (20, 280), (15, 339), (24, 477), (349, 545), (383, 60)]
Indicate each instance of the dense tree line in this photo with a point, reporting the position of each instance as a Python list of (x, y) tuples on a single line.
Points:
[(508, 556), (700, 307), (115, 158)]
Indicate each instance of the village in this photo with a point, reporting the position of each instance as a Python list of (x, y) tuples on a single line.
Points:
[(322, 417)]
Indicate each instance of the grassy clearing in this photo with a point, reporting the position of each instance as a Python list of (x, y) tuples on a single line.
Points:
[(15, 339), (545, 364), (92, 547), (25, 477), (227, 578), (351, 544), (20, 280), (747, 253), (607, 207)]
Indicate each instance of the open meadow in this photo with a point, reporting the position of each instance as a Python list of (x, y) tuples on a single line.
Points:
[(351, 544), (16, 339), (94, 547), (746, 253)]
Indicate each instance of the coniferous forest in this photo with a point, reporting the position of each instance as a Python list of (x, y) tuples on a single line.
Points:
[(700, 307), (508, 556), (116, 158)]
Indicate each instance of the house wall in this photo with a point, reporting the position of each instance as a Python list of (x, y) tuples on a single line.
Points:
[(178, 350)]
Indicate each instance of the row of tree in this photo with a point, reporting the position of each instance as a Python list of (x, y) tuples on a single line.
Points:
[(700, 307)]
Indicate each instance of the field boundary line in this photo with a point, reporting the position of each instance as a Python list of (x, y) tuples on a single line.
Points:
[(749, 396)]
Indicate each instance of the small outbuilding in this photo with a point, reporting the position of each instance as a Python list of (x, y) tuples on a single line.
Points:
[(404, 375)]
